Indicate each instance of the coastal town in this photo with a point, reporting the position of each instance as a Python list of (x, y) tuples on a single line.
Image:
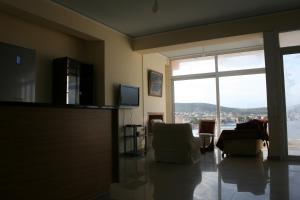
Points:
[(228, 118)]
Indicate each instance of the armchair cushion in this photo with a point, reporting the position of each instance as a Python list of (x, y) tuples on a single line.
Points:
[(258, 127)]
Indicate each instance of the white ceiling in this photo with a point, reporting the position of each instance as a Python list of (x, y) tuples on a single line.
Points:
[(135, 17)]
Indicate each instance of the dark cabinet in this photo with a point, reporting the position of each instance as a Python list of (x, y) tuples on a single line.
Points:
[(72, 82)]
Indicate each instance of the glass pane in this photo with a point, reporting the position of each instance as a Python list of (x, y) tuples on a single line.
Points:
[(289, 39), (241, 60), (292, 100), (242, 98), (193, 66), (195, 100), (72, 90)]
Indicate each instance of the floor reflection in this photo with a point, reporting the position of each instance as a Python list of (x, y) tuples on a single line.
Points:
[(171, 181), (213, 178), (249, 175)]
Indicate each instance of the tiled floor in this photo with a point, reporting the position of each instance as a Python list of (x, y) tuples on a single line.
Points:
[(213, 178), (294, 147)]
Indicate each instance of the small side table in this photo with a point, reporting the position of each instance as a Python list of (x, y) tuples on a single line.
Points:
[(211, 144), (135, 136)]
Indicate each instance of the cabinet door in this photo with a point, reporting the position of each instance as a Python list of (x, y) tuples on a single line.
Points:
[(65, 81), (73, 82), (86, 85)]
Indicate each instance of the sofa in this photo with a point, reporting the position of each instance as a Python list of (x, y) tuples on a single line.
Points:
[(175, 143), (246, 139)]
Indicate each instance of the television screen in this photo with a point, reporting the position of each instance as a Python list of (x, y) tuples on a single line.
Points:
[(128, 95)]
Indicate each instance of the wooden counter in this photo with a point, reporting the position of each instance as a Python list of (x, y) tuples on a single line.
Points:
[(56, 153)]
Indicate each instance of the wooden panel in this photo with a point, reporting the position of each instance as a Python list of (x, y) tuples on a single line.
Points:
[(55, 153)]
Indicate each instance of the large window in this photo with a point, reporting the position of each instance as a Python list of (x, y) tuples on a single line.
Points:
[(242, 98), (229, 88), (194, 99)]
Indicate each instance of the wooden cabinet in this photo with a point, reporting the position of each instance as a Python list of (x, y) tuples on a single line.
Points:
[(72, 82), (50, 153)]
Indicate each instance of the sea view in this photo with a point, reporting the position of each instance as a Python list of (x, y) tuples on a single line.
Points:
[(193, 112), (293, 128)]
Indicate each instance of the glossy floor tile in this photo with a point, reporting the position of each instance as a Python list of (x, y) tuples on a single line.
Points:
[(213, 178)]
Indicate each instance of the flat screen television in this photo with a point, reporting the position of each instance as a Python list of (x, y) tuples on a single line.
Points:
[(129, 95)]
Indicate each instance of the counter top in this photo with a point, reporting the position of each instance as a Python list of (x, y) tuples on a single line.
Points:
[(36, 104)]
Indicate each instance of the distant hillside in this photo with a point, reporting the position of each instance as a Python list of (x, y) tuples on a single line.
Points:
[(206, 107)]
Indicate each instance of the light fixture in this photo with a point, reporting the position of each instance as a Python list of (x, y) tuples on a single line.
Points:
[(155, 7)]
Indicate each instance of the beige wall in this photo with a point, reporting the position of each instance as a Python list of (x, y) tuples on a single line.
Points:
[(169, 98), (54, 31), (154, 104), (48, 44), (121, 64), (94, 52)]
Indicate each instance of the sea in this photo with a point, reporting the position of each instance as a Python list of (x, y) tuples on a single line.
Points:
[(293, 128)]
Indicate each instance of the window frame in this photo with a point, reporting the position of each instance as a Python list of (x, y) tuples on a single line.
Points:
[(217, 75)]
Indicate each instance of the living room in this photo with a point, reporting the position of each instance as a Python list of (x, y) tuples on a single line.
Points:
[(54, 31)]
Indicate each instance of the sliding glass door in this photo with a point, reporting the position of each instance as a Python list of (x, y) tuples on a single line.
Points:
[(291, 65)]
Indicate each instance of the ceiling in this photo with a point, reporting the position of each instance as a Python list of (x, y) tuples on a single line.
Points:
[(135, 17)]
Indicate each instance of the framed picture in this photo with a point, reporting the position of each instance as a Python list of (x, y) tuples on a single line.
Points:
[(155, 81)]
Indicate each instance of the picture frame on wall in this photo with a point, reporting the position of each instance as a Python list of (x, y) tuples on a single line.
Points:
[(155, 81)]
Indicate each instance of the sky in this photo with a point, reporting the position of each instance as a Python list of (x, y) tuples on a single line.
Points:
[(247, 91)]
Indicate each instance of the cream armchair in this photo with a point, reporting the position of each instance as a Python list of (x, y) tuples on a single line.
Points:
[(175, 143)]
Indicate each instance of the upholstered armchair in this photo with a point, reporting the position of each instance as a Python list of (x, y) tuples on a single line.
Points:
[(246, 139), (207, 134), (175, 143)]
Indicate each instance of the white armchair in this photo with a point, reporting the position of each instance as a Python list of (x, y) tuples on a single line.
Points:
[(175, 143)]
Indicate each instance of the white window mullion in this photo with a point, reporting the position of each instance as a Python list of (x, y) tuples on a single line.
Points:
[(173, 100)]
